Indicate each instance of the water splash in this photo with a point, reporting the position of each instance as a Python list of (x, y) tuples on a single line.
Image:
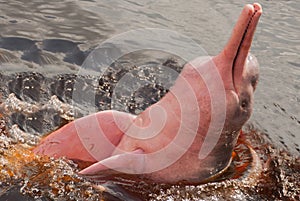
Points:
[(39, 176)]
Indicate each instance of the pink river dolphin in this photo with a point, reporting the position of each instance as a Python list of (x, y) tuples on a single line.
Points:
[(174, 139)]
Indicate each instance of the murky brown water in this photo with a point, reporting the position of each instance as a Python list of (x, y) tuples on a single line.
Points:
[(53, 39)]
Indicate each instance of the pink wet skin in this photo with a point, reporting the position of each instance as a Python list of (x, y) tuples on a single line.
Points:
[(124, 142)]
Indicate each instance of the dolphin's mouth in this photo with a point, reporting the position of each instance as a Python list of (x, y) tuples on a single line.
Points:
[(243, 48), (240, 45)]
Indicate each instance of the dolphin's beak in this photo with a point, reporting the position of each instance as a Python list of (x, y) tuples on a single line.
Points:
[(238, 46)]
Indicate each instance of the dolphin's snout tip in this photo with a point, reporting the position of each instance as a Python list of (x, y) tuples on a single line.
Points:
[(257, 7), (253, 8)]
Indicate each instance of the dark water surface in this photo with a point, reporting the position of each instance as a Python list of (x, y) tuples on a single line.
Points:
[(43, 44)]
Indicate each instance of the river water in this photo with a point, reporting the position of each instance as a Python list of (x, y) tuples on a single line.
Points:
[(67, 31)]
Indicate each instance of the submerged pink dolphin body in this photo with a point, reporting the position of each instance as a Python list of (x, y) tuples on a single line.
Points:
[(137, 144)]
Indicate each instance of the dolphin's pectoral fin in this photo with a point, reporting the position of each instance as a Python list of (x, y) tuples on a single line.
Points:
[(128, 162), (91, 138)]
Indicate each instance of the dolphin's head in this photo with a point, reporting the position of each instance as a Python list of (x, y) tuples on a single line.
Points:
[(238, 72), (239, 69)]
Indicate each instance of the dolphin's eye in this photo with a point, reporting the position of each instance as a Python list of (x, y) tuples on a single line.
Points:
[(244, 103), (245, 100)]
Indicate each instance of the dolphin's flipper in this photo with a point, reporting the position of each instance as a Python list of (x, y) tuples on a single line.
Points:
[(129, 162), (91, 138)]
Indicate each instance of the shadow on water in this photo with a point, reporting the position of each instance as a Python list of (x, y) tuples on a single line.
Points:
[(31, 52), (41, 49)]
